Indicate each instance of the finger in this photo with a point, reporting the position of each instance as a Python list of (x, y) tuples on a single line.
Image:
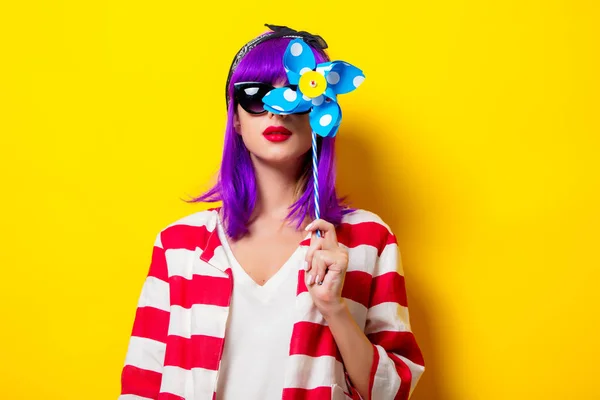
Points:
[(309, 279), (331, 275), (319, 266), (316, 243), (327, 261), (328, 230)]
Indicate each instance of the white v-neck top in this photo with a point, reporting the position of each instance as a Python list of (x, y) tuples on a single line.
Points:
[(259, 329)]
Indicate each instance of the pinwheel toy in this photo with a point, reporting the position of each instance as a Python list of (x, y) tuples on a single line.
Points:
[(314, 89)]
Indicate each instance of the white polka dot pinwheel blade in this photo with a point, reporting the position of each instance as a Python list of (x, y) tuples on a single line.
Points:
[(343, 77), (282, 99), (286, 100), (298, 59), (324, 119)]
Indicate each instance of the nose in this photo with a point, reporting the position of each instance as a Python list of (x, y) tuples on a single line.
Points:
[(271, 115)]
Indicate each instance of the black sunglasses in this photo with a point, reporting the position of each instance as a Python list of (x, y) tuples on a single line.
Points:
[(249, 95)]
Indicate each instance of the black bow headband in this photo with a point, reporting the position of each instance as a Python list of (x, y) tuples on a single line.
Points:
[(315, 41)]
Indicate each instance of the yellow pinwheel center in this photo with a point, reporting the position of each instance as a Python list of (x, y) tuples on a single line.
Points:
[(312, 84)]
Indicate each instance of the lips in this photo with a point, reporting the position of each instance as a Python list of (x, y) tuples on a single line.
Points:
[(277, 134), (277, 130)]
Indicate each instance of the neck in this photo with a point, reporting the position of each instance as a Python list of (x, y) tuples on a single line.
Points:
[(275, 189)]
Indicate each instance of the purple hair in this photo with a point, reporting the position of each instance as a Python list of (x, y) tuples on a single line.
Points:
[(236, 184)]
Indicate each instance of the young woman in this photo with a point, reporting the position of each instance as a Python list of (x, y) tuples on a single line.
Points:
[(245, 300)]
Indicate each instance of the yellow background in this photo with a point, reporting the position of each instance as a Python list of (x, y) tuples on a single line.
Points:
[(475, 136)]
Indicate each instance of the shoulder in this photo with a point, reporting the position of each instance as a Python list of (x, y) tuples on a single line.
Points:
[(189, 231), (360, 226), (361, 216)]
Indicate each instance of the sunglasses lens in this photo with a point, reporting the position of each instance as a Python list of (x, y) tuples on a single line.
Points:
[(253, 106), (250, 97)]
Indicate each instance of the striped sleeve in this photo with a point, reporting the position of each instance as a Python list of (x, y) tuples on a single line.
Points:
[(397, 360), (142, 373)]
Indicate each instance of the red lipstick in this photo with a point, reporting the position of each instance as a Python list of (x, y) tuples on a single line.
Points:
[(277, 133)]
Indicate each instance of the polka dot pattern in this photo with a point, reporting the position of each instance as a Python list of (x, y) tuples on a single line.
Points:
[(297, 60), (325, 120), (290, 95), (296, 49), (286, 100), (333, 77), (342, 77)]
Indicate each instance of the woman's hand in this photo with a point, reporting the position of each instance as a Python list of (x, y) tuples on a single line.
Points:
[(326, 265)]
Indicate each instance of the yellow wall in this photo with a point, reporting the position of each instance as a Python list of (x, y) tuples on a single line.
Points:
[(476, 133)]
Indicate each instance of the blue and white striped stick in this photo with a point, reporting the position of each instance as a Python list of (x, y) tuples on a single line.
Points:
[(315, 162)]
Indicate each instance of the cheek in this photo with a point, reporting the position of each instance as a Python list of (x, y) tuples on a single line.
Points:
[(305, 131), (247, 123), (250, 130), (304, 122)]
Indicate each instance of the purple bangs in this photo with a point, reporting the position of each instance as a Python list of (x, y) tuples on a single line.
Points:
[(236, 183)]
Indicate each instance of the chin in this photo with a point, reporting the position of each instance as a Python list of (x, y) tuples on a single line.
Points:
[(279, 158), (278, 161)]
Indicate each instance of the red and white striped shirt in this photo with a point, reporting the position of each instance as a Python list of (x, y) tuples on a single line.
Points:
[(179, 328)]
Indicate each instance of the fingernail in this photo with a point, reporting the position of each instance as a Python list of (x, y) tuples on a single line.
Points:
[(311, 281), (308, 226), (317, 280), (306, 265)]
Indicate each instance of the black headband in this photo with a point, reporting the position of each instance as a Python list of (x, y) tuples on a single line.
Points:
[(315, 41)]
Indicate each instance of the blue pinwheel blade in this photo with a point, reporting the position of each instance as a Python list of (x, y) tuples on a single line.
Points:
[(330, 92), (298, 58), (304, 105), (325, 118), (282, 99), (293, 78), (343, 77), (317, 101), (324, 67), (333, 132)]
